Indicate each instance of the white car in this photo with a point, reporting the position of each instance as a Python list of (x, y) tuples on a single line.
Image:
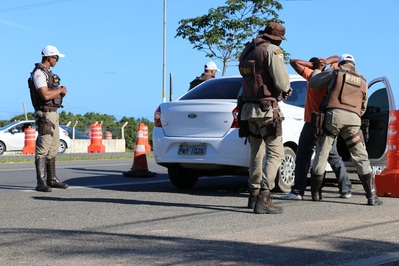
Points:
[(197, 135), (12, 137)]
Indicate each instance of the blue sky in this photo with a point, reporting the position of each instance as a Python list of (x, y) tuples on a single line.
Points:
[(114, 49)]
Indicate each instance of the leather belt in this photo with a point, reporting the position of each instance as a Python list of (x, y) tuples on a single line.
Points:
[(48, 109)]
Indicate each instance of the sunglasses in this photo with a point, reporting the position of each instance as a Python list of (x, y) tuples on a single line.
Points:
[(56, 57)]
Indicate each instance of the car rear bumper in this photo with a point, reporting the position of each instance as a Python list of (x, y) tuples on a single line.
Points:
[(227, 151)]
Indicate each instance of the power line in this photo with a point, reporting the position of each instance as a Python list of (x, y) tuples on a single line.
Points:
[(17, 8)]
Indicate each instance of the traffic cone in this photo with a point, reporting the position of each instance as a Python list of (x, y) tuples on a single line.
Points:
[(30, 141), (140, 166), (387, 183), (145, 136), (96, 139)]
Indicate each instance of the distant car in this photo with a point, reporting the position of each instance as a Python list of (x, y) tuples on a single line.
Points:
[(197, 135), (78, 134), (12, 137)]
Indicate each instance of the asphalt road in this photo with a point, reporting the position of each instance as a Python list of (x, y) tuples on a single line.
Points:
[(105, 218)]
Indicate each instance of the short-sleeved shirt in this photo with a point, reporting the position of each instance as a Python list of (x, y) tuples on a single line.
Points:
[(314, 98), (39, 79)]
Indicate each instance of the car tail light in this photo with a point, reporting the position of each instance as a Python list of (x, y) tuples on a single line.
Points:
[(157, 117), (235, 118)]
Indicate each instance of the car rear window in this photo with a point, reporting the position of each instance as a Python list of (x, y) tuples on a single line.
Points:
[(229, 88), (222, 88), (298, 96)]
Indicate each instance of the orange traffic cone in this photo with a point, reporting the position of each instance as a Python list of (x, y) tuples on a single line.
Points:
[(30, 141), (140, 166), (145, 137), (387, 183), (96, 139)]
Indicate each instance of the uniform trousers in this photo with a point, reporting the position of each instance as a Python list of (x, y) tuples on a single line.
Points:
[(47, 146), (353, 139), (306, 144), (266, 154)]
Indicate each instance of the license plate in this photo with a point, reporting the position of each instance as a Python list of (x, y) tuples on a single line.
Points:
[(192, 149)]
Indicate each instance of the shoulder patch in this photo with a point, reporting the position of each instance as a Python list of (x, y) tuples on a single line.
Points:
[(278, 51)]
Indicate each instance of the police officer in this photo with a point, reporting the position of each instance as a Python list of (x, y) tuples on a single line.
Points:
[(46, 95), (210, 69), (265, 80), (307, 137), (345, 103)]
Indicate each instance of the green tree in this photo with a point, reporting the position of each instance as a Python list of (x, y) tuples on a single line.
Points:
[(131, 130), (223, 32), (21, 117)]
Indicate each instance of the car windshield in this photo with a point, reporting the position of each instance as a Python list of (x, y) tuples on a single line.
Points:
[(222, 88), (9, 125)]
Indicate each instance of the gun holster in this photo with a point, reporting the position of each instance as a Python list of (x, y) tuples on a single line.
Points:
[(318, 123), (275, 126), (45, 126)]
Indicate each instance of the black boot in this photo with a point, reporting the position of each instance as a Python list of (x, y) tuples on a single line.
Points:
[(316, 182), (52, 179), (253, 197), (41, 175), (369, 187)]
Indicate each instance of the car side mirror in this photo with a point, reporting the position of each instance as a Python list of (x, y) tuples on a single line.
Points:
[(14, 130)]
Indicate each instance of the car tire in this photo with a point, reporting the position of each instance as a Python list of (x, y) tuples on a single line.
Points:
[(63, 146), (181, 177), (2, 148), (286, 174)]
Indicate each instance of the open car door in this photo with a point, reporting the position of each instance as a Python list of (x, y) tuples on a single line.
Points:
[(381, 102)]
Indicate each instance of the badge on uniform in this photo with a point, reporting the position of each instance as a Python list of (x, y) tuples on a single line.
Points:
[(279, 52)]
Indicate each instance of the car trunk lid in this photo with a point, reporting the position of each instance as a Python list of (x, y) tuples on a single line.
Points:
[(197, 118)]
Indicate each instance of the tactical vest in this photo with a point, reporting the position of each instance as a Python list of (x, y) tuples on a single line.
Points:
[(200, 79), (348, 92), (53, 81), (258, 85)]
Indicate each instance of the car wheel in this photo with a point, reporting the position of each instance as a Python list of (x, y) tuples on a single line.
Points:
[(2, 148), (286, 174), (63, 146), (182, 177)]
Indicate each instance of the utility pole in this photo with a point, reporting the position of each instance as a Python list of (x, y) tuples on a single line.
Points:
[(164, 54)]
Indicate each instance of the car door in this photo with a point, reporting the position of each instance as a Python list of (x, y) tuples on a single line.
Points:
[(381, 101), (16, 137)]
